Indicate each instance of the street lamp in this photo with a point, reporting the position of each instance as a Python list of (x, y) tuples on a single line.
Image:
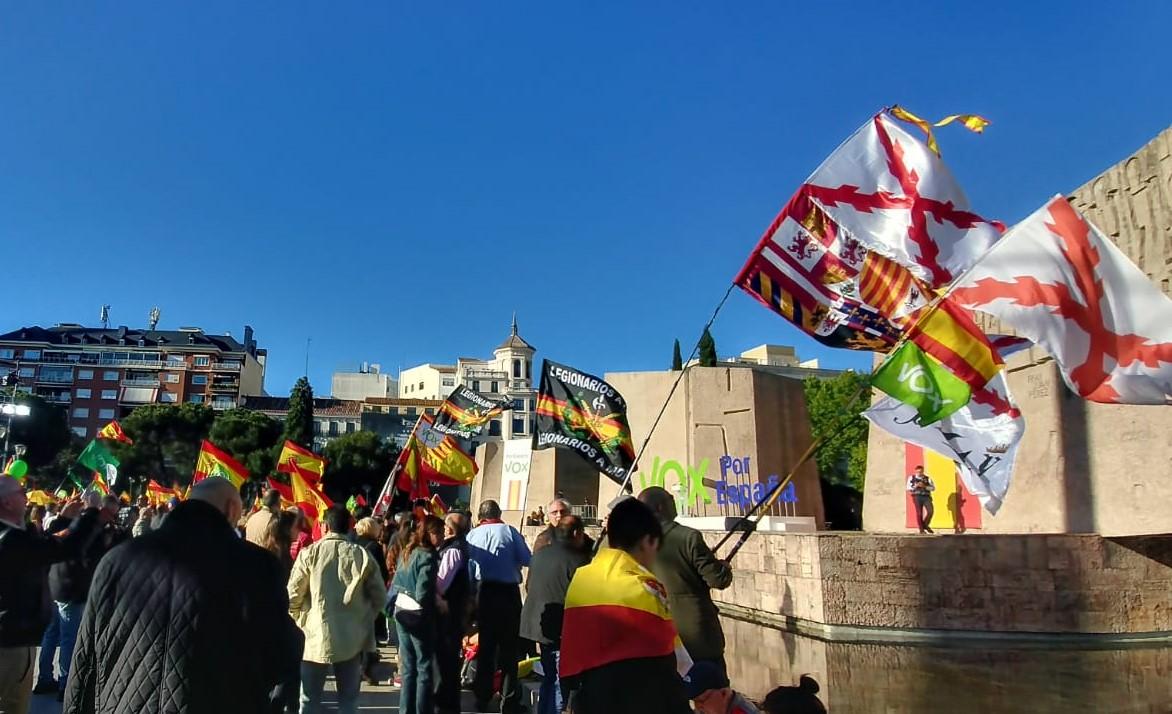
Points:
[(12, 410)]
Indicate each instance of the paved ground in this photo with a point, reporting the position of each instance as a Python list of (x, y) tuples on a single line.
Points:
[(382, 698)]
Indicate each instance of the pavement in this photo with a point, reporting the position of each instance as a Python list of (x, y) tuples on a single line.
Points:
[(375, 698)]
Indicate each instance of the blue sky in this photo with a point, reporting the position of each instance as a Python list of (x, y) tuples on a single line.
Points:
[(395, 179)]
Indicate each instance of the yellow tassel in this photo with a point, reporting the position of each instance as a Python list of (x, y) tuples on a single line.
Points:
[(972, 122)]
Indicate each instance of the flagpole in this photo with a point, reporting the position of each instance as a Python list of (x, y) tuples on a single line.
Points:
[(389, 485)]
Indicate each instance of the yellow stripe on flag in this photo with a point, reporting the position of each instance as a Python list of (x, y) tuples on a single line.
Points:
[(943, 328)]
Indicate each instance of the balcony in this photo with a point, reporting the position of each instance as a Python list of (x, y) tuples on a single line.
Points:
[(222, 404), (226, 367), (56, 397), (54, 379), (225, 386), (140, 382)]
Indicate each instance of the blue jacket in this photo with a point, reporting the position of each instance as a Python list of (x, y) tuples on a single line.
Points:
[(417, 579)]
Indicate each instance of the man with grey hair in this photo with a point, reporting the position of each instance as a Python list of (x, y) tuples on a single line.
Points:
[(558, 509), (163, 621), (689, 569), (25, 607), (453, 588)]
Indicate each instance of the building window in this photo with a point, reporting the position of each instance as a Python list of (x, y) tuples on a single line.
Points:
[(28, 371), (449, 381), (32, 354), (83, 393), (172, 378), (518, 426), (81, 413), (517, 368), (58, 375), (203, 361), (410, 411), (81, 431), (494, 387), (421, 386), (105, 413), (532, 405), (429, 410), (350, 427), (528, 369), (109, 394), (494, 427), (110, 376), (333, 428), (7, 353), (85, 374), (476, 385), (195, 399), (168, 397), (199, 379), (316, 427)]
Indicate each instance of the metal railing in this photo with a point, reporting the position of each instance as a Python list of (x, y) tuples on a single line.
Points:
[(140, 382)]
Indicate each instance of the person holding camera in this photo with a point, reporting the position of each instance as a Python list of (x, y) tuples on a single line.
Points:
[(920, 486)]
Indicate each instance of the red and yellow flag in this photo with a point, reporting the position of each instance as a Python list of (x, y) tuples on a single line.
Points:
[(431, 455), (214, 462), (438, 508), (294, 456), (285, 491), (949, 334), (113, 432), (159, 494), (99, 483), (307, 496), (615, 610)]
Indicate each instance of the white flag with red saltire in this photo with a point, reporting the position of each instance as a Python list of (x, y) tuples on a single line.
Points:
[(1058, 281), (893, 194), (982, 437)]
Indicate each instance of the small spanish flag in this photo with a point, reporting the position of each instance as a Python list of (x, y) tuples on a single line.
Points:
[(294, 456), (438, 508), (159, 494), (214, 462), (99, 484), (616, 610), (308, 497), (113, 432)]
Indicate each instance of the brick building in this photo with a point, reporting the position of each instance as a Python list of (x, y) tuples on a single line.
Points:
[(99, 374)]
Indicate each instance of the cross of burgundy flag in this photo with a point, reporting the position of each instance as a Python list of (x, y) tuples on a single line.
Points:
[(891, 192), (1058, 281)]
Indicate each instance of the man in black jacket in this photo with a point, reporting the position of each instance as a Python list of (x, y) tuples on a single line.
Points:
[(550, 572), (454, 589), (25, 607), (188, 618)]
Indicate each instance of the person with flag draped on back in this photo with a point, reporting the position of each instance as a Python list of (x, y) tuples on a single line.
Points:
[(621, 653)]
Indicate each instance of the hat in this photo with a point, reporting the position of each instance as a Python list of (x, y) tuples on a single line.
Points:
[(702, 677)]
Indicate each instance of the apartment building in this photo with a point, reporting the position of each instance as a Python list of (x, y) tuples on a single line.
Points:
[(99, 374), (507, 375)]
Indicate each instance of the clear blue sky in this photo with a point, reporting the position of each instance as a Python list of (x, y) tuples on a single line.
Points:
[(394, 179)]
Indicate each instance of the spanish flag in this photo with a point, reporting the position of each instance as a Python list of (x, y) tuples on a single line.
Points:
[(285, 491), (214, 462), (616, 610), (431, 455), (99, 484), (949, 334), (439, 509), (113, 432), (294, 456), (307, 496), (159, 494)]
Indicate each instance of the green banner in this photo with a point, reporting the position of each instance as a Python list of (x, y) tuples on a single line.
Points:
[(918, 380), (96, 456)]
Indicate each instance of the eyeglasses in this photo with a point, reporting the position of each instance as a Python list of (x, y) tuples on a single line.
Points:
[(556, 512)]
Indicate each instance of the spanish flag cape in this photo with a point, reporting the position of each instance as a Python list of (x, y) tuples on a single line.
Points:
[(616, 610)]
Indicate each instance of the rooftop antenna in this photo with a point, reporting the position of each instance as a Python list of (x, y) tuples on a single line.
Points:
[(105, 316), (154, 317), (307, 341)]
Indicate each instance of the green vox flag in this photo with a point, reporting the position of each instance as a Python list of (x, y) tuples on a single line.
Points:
[(918, 380), (96, 456)]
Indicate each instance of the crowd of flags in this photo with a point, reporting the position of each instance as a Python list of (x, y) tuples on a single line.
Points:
[(879, 250)]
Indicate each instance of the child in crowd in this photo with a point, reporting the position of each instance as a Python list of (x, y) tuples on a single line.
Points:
[(795, 700), (705, 686)]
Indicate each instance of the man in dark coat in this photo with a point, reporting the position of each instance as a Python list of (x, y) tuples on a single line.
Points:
[(25, 607), (688, 568), (188, 618), (550, 572)]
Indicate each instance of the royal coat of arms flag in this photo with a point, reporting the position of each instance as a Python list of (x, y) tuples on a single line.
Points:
[(888, 190), (1057, 280), (465, 413), (981, 437), (582, 413)]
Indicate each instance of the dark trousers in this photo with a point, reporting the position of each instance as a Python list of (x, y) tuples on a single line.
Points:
[(449, 661), (499, 611), (924, 511)]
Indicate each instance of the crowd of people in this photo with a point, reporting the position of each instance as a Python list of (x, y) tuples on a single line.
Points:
[(196, 606)]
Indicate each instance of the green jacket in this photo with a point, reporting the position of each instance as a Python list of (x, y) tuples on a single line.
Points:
[(688, 568)]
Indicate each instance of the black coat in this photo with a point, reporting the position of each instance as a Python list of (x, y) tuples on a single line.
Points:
[(550, 572), (69, 581), (186, 619), (630, 686), (25, 557)]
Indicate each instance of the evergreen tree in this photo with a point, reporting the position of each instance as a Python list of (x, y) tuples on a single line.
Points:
[(707, 349), (677, 361), (299, 419)]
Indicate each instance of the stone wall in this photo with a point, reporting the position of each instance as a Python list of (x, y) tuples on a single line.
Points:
[(1082, 467), (979, 583)]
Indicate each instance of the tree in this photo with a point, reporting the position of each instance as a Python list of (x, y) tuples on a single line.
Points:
[(166, 442), (707, 349), (677, 361), (299, 419), (842, 457), (44, 431), (358, 460), (250, 437)]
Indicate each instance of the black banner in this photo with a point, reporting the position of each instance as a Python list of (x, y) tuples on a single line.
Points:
[(465, 413), (581, 412)]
